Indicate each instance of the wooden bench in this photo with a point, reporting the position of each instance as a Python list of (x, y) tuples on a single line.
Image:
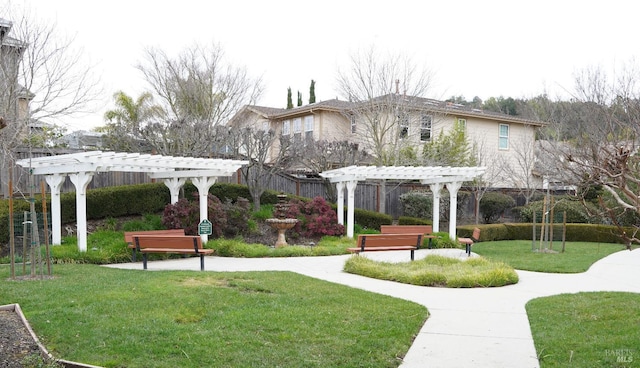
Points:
[(427, 230), (384, 242), (186, 245), (128, 237), (468, 242)]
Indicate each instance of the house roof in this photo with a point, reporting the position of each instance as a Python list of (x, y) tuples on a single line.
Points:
[(417, 103)]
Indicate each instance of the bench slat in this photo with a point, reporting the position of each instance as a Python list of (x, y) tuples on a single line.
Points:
[(427, 230), (388, 242), (128, 237), (170, 244)]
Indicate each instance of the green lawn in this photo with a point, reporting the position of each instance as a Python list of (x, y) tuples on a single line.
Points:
[(578, 256), (130, 318), (586, 329)]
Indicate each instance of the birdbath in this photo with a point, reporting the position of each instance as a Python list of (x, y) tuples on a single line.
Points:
[(281, 223)]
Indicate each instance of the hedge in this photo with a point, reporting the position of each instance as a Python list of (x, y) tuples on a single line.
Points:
[(524, 231)]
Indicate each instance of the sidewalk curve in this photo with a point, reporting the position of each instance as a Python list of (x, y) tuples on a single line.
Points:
[(479, 327)]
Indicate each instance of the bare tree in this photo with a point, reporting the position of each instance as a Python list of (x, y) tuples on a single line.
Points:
[(254, 145), (520, 168), (199, 91), (383, 90), (494, 173), (319, 156), (43, 77), (604, 150)]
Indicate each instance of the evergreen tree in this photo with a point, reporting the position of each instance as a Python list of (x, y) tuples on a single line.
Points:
[(451, 149), (289, 100), (312, 92), (299, 98)]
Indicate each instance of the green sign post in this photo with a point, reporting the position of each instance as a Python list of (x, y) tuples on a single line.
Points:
[(205, 227)]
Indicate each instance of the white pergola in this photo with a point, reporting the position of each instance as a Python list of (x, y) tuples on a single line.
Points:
[(80, 167), (436, 177)]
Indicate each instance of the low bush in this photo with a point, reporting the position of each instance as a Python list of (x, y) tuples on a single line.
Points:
[(371, 220), (441, 240), (406, 220), (436, 271), (148, 222), (237, 248), (104, 247), (493, 206)]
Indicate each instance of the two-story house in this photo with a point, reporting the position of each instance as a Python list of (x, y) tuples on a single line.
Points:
[(387, 123)]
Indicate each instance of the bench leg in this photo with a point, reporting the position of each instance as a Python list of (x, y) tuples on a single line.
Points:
[(133, 255), (412, 254), (144, 261), (429, 246), (468, 250), (202, 262)]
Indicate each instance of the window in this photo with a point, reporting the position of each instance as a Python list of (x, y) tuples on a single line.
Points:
[(308, 128), (265, 126), (503, 137), (462, 123), (404, 125), (286, 127), (297, 127), (425, 128), (353, 124)]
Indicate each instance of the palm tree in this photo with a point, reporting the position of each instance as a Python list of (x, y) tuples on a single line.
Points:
[(125, 123)]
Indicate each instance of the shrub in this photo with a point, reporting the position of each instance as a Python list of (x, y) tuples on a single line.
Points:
[(443, 240), (405, 220), (577, 211), (238, 215), (185, 215), (371, 220), (419, 204), (494, 204), (317, 218), (148, 222)]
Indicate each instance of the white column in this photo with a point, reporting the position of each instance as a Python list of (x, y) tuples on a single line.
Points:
[(203, 184), (351, 204), (174, 185), (81, 181), (453, 207), (340, 189), (55, 183), (436, 189)]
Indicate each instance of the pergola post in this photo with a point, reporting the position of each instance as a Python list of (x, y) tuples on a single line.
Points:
[(203, 184), (55, 183), (81, 180), (174, 185), (340, 204), (351, 204), (453, 207), (436, 188)]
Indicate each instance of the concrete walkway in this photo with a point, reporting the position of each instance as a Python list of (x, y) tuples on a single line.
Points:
[(480, 327)]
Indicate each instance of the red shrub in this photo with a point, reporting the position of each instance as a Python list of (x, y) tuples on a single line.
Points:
[(185, 215)]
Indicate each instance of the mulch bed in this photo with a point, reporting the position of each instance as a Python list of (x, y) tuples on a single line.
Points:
[(15, 341)]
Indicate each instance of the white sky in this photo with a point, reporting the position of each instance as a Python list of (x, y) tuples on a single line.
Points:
[(475, 48)]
